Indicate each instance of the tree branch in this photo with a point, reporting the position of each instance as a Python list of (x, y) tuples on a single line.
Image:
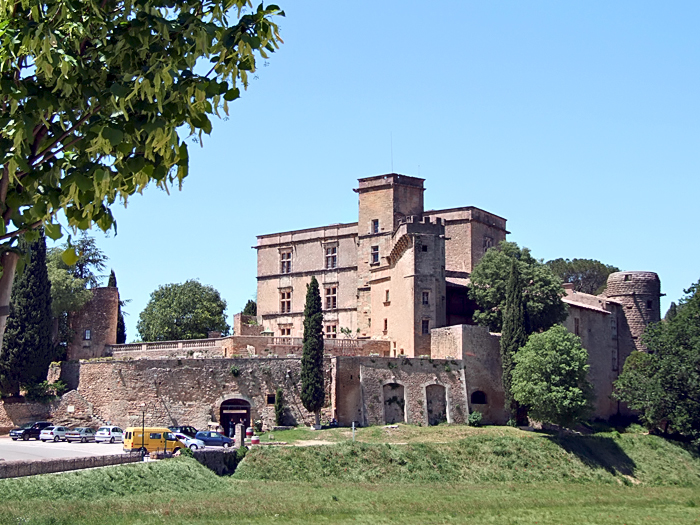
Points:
[(16, 233)]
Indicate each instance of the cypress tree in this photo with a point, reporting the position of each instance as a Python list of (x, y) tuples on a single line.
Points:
[(250, 308), (121, 327), (279, 407), (312, 388), (514, 333), (28, 347)]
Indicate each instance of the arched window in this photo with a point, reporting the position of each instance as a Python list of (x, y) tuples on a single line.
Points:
[(478, 398)]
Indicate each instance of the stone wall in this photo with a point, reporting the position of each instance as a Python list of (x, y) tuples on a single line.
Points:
[(183, 391), (17, 469), (15, 412), (374, 391), (246, 325), (480, 352)]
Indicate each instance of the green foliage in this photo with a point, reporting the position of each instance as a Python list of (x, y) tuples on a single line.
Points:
[(28, 346), (279, 407), (550, 377), (514, 334), (542, 289), (664, 384), (235, 371), (474, 419), (251, 308), (672, 312), (44, 392), (93, 93), (183, 311), (587, 275), (312, 388)]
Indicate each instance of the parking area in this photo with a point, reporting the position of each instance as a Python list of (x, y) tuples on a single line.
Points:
[(29, 450)]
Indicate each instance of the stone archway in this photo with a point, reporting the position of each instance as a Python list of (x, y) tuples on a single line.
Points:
[(436, 404), (232, 412), (394, 403)]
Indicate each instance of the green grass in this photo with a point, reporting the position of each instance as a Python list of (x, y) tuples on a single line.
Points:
[(494, 475)]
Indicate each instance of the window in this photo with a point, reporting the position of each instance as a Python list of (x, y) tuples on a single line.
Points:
[(375, 255), (271, 399), (424, 247), (628, 277), (331, 256), (386, 325), (478, 398), (649, 305), (331, 297), (576, 326), (375, 226), (488, 242), (426, 298), (286, 261), (425, 326), (155, 435), (285, 331), (87, 335), (331, 331), (386, 297), (285, 302)]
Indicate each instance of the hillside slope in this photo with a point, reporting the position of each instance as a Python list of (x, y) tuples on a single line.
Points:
[(520, 457)]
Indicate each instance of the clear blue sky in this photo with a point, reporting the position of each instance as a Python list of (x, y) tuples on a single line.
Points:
[(577, 121)]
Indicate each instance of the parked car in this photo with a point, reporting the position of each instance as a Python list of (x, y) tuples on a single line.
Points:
[(82, 434), (214, 439), (150, 439), (192, 443), (29, 431), (109, 435), (187, 430), (55, 434)]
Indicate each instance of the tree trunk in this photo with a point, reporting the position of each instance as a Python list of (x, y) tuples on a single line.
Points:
[(8, 260), (318, 420)]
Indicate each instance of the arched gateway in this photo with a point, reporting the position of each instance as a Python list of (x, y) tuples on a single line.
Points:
[(232, 412)]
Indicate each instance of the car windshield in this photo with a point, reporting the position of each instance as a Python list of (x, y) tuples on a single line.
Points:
[(78, 430), (28, 425), (48, 428), (104, 429)]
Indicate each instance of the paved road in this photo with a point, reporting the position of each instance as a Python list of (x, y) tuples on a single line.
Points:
[(11, 450)]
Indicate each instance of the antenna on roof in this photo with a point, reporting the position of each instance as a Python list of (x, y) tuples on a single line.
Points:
[(391, 138)]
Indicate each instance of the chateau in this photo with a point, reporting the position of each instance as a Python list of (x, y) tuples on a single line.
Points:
[(400, 342), (394, 275)]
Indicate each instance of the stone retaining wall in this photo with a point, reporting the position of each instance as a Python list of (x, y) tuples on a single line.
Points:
[(17, 469)]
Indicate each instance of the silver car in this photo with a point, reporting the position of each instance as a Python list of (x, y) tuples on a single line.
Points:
[(82, 434), (190, 442), (55, 434), (109, 434)]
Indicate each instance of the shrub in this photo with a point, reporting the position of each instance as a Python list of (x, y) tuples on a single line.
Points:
[(279, 407), (235, 371), (474, 419)]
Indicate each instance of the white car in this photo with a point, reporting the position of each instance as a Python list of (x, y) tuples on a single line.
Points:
[(190, 442), (109, 435), (53, 434)]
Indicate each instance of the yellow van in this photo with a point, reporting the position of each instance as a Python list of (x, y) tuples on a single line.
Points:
[(152, 439)]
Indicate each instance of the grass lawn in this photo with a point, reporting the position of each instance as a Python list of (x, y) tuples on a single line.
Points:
[(444, 475)]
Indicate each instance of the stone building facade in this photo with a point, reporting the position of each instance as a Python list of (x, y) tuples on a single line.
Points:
[(95, 326), (394, 275)]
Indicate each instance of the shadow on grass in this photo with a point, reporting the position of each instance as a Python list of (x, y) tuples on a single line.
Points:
[(597, 452)]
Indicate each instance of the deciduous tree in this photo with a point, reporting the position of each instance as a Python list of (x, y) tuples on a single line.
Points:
[(189, 310), (542, 289), (663, 384), (28, 348), (550, 377), (587, 275), (94, 96), (313, 393)]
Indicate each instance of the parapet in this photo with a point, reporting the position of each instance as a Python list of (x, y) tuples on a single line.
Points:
[(633, 283)]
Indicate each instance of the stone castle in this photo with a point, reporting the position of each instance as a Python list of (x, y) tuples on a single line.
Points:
[(400, 342)]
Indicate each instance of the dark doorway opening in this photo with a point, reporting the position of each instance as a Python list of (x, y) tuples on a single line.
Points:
[(232, 412)]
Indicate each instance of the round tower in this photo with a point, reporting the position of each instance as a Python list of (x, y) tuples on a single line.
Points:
[(639, 293)]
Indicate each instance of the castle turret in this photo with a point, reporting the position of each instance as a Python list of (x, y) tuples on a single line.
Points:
[(639, 293)]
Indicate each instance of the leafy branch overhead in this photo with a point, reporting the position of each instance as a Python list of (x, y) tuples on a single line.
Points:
[(95, 94)]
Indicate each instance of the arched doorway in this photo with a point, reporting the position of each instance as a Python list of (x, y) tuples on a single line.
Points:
[(394, 404), (232, 412), (436, 404)]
